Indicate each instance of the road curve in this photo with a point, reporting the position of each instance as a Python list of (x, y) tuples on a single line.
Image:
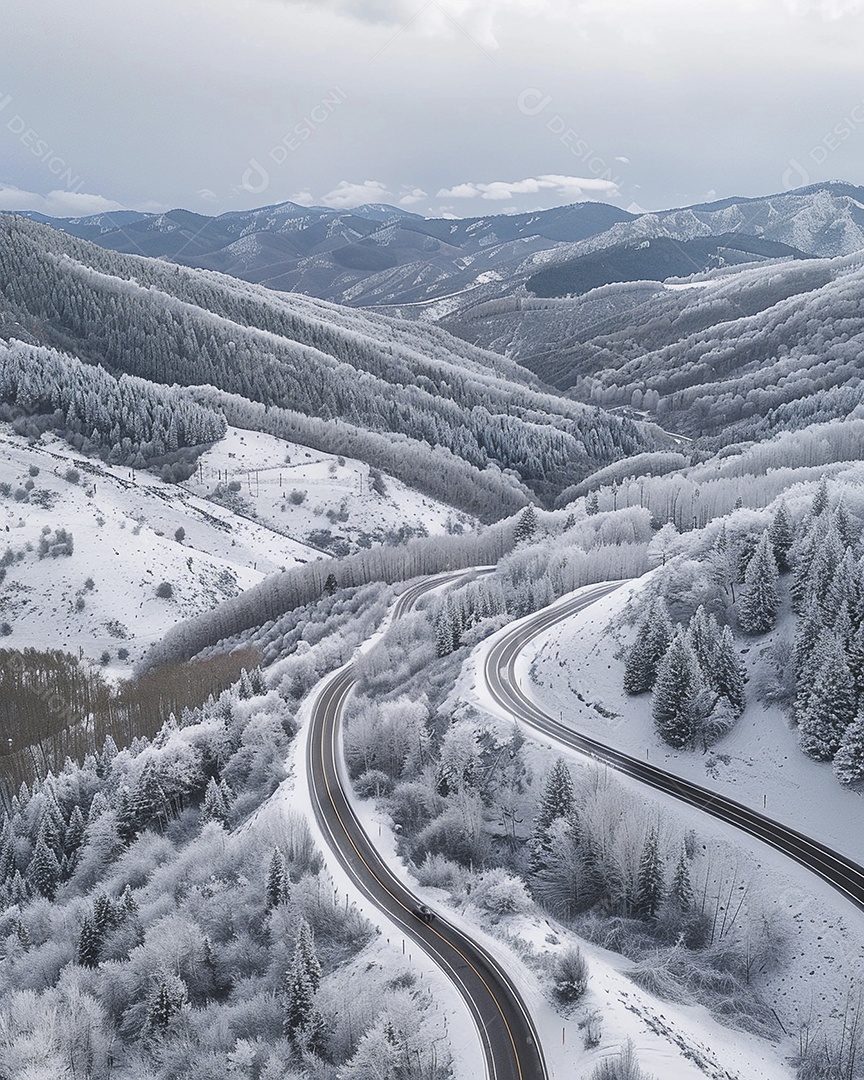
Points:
[(509, 1039), (500, 674)]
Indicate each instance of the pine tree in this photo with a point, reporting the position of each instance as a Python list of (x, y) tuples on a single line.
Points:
[(726, 674), (277, 881), (781, 536), (681, 891), (7, 853), (652, 641), (89, 943), (648, 894), (44, 870), (557, 801), (849, 759), (74, 837), (826, 710), (526, 526), (168, 1000), (757, 608), (330, 584), (298, 1000), (592, 504), (304, 944), (703, 634), (444, 643), (677, 694), (820, 499), (213, 807)]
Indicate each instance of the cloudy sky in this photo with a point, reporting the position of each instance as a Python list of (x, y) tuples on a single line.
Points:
[(442, 106)]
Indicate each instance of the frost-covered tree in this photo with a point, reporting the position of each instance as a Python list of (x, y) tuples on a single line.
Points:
[(526, 526), (849, 759), (677, 694), (649, 889), (781, 535), (557, 801), (214, 807), (726, 674), (89, 943), (820, 500), (168, 999), (757, 608), (652, 641), (681, 889), (826, 707), (306, 956), (277, 880), (43, 872)]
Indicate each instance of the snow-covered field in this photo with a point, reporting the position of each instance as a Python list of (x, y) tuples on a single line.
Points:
[(125, 541), (306, 494), (571, 672)]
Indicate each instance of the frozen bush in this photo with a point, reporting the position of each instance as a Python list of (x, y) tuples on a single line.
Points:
[(570, 975)]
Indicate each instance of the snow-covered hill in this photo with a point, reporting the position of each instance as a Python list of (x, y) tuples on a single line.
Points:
[(132, 532)]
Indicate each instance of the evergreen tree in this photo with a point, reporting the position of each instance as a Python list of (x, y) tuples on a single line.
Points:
[(330, 584), (298, 1000), (526, 526), (703, 634), (855, 660), (652, 641), (74, 837), (304, 944), (277, 881), (757, 608), (849, 759), (592, 504), (681, 891), (213, 807), (7, 853), (726, 674), (557, 801), (781, 535), (169, 998), (89, 943), (842, 525), (820, 499), (444, 636), (19, 890), (44, 870), (648, 894), (827, 708), (677, 694)]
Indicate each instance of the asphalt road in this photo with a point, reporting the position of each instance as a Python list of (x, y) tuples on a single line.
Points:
[(508, 1036), (500, 673)]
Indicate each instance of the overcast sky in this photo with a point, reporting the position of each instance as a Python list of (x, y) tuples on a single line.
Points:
[(442, 106)]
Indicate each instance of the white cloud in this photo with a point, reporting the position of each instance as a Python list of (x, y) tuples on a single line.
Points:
[(412, 197), (56, 203), (623, 160), (345, 196), (572, 188)]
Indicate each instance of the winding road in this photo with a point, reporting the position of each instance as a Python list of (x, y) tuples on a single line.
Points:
[(500, 675), (509, 1039)]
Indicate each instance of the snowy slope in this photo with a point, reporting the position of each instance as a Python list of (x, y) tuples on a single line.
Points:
[(124, 527), (571, 671)]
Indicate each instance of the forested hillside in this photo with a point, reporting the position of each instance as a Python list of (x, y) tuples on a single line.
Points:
[(144, 318), (727, 356)]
